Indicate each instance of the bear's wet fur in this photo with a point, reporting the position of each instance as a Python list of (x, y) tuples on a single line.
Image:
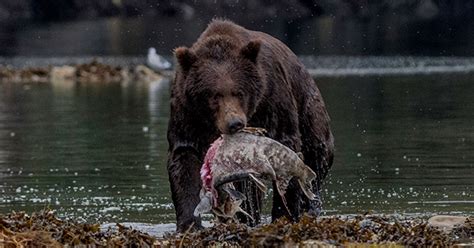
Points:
[(232, 77)]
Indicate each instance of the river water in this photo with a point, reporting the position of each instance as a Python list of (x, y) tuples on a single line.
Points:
[(98, 151)]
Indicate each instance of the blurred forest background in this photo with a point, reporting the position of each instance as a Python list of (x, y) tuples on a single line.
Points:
[(312, 27)]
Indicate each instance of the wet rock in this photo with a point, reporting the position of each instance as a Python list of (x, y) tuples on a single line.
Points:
[(464, 233), (143, 73), (447, 222), (60, 73)]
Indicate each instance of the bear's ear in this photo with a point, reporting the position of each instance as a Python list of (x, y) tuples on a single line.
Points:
[(185, 57), (250, 51)]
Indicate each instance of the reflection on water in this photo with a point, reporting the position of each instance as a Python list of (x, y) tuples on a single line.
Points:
[(88, 150), (404, 144)]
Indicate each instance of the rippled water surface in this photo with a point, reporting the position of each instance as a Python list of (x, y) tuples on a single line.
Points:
[(98, 151)]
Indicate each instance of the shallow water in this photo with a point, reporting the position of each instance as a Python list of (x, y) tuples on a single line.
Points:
[(98, 151)]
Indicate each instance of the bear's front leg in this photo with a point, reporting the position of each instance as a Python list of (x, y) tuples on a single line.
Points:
[(185, 182)]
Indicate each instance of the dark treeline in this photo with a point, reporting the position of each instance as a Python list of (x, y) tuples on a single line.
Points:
[(311, 27), (52, 10)]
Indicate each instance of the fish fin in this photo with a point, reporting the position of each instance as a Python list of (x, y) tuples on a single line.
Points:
[(305, 182), (300, 155), (204, 206), (280, 185), (235, 194), (218, 213), (260, 185), (306, 187), (239, 209)]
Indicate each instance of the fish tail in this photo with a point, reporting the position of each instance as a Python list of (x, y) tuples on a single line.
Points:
[(281, 186)]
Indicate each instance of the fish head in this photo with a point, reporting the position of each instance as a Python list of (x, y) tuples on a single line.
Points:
[(229, 202), (225, 201)]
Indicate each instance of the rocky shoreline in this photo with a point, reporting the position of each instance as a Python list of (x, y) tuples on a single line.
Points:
[(19, 69), (44, 228), (90, 72)]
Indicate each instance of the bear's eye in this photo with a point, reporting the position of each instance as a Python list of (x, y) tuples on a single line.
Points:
[(239, 94), (217, 96)]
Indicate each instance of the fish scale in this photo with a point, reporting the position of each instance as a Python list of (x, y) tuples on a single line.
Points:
[(246, 155)]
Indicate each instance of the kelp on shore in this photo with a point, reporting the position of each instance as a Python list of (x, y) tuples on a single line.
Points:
[(44, 228), (93, 72), (368, 229)]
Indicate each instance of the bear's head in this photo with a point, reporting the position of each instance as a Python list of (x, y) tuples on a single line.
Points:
[(221, 80)]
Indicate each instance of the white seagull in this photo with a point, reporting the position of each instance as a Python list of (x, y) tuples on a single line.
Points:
[(155, 61)]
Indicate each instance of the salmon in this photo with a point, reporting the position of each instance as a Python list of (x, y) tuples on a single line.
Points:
[(248, 155)]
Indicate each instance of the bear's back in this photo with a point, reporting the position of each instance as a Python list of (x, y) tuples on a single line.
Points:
[(241, 36)]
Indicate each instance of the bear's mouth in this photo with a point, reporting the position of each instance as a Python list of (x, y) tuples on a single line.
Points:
[(231, 125), (230, 115)]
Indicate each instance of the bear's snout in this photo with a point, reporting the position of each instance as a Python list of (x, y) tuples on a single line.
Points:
[(235, 124), (230, 116), (231, 124)]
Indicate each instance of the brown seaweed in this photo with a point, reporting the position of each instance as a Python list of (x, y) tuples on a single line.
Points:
[(45, 229), (368, 229)]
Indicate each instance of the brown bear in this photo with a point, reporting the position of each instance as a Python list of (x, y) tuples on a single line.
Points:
[(230, 78)]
